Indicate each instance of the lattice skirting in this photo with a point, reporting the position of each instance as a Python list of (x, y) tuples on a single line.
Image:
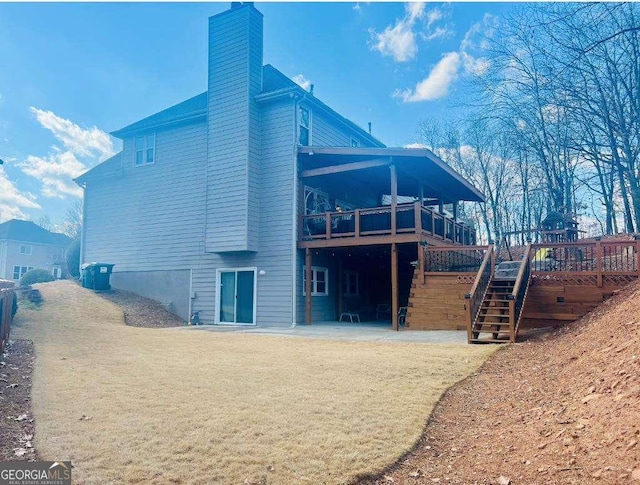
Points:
[(581, 280), (466, 280)]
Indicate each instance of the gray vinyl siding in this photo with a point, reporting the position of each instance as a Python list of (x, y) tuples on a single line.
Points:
[(152, 218), (325, 131), (235, 78)]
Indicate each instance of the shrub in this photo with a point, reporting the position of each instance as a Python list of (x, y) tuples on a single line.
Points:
[(73, 259), (36, 276)]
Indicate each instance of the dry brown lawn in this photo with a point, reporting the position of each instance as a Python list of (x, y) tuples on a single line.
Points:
[(160, 405)]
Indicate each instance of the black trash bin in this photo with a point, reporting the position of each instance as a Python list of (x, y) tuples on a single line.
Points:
[(96, 276)]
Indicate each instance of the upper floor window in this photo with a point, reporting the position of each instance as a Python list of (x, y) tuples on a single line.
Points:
[(25, 249), (304, 135), (146, 149), (354, 143)]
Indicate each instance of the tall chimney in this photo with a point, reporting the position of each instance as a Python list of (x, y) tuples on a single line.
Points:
[(233, 129)]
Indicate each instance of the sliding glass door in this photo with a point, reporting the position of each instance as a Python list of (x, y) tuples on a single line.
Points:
[(236, 296)]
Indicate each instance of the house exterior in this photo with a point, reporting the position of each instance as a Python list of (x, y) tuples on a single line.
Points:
[(214, 204), (25, 246)]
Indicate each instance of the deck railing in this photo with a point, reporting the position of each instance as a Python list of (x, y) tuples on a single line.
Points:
[(479, 289), (6, 315), (445, 259), (377, 221), (599, 259)]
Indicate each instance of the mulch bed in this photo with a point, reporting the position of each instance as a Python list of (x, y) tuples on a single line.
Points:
[(140, 311), (16, 425)]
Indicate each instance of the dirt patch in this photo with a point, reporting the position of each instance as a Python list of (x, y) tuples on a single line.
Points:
[(560, 408), (16, 425), (140, 311)]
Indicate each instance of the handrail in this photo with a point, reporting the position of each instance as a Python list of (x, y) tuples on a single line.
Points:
[(518, 293), (479, 290)]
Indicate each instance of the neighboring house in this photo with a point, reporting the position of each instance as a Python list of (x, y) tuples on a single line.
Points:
[(25, 246), (215, 204)]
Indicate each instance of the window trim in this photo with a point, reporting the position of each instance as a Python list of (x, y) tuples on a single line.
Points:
[(346, 277), (300, 126), (25, 247), (145, 148), (314, 280)]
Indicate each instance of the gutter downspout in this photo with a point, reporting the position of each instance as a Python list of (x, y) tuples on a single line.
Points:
[(84, 227), (294, 216)]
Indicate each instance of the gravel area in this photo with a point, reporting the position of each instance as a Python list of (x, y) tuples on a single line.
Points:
[(142, 312)]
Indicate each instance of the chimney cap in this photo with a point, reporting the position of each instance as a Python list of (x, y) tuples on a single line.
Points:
[(235, 5)]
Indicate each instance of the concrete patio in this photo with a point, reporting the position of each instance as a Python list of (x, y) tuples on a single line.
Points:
[(364, 332)]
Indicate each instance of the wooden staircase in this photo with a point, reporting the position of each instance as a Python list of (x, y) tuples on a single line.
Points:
[(492, 324), (496, 302)]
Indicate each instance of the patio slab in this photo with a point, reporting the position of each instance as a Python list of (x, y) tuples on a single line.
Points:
[(365, 332)]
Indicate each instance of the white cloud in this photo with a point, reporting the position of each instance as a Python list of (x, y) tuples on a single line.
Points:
[(436, 84), (399, 41), (433, 16), (80, 141), (13, 201), (357, 7), (416, 145), (81, 149), (302, 81), (55, 172), (467, 59)]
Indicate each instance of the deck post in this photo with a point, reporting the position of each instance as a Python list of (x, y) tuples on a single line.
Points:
[(455, 211), (356, 217), (421, 264), (307, 286), (394, 198), (328, 225), (394, 286), (339, 289), (417, 213), (638, 257), (599, 263)]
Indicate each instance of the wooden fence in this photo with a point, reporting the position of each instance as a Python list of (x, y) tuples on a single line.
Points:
[(6, 316)]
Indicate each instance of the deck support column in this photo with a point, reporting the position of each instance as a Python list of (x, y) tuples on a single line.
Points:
[(340, 284), (394, 286), (307, 286), (420, 264), (394, 198)]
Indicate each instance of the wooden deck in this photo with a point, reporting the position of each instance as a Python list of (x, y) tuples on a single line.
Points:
[(556, 284), (382, 225)]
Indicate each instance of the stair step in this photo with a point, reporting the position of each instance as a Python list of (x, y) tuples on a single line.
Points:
[(491, 324), (488, 341)]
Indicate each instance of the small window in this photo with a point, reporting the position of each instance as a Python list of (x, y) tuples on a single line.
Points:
[(319, 281), (146, 149), (19, 271), (350, 283), (354, 143), (25, 249), (304, 138)]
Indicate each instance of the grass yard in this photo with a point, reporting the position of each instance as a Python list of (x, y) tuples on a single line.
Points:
[(147, 405)]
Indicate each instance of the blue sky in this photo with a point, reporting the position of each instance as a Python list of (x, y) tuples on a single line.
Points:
[(71, 73)]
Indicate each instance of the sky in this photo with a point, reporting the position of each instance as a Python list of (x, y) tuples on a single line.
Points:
[(72, 73)]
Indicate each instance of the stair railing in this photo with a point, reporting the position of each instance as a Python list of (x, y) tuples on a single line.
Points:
[(519, 293), (479, 290)]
